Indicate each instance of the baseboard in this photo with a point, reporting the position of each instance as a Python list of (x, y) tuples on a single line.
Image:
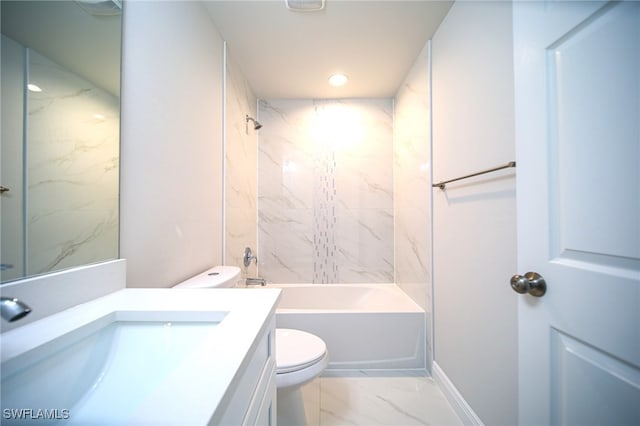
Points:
[(459, 405), (341, 372)]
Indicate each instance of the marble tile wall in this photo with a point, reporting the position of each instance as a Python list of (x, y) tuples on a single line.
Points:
[(412, 186), (241, 180), (325, 191), (73, 153)]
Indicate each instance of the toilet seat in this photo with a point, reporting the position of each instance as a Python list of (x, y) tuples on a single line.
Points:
[(297, 350)]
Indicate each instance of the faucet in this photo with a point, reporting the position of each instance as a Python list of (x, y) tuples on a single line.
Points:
[(256, 281), (13, 309), (248, 257)]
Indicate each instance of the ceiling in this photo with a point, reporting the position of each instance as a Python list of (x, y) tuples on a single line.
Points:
[(285, 54), (62, 31)]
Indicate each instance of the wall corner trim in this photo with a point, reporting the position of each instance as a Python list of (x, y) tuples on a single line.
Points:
[(458, 403)]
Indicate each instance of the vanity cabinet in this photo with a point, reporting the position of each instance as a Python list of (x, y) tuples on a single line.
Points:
[(217, 365), (253, 400)]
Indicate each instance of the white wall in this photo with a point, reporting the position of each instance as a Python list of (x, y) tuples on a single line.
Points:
[(474, 224), (171, 153)]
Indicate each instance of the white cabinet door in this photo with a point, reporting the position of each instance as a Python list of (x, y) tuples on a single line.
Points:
[(577, 76)]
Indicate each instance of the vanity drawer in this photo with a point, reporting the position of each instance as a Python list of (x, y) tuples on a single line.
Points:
[(256, 384), (261, 409)]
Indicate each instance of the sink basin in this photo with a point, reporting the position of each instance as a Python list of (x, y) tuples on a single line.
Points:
[(103, 371), (136, 356)]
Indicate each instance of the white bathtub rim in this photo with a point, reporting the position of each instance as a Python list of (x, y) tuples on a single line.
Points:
[(404, 303)]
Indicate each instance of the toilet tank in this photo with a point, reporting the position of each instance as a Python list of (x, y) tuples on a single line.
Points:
[(218, 276)]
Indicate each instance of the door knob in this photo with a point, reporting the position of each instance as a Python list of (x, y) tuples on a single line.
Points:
[(531, 283)]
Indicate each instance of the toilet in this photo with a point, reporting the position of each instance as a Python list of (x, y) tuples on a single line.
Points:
[(300, 356), (218, 276)]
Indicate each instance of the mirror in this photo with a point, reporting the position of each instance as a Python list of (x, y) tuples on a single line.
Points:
[(60, 135)]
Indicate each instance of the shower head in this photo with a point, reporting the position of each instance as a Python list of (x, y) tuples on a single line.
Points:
[(256, 124)]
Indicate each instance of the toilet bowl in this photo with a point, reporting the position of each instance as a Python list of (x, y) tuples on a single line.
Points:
[(300, 356)]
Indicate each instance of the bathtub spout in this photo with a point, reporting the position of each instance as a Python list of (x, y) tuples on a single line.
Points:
[(13, 309), (256, 281)]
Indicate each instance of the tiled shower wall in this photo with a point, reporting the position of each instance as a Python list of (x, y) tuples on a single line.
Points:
[(73, 137), (412, 188), (325, 191), (241, 185), (412, 182)]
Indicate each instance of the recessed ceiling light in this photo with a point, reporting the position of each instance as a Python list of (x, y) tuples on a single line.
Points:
[(305, 5), (33, 88), (337, 80)]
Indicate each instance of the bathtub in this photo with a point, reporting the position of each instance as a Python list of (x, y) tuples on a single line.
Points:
[(367, 327)]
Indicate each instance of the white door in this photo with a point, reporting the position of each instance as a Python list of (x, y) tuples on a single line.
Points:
[(577, 80)]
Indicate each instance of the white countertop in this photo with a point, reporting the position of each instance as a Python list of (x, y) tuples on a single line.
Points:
[(207, 377)]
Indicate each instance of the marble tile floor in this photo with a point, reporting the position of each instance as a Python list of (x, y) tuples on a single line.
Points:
[(369, 401)]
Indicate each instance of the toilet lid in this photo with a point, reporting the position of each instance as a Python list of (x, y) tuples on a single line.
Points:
[(219, 276), (297, 349)]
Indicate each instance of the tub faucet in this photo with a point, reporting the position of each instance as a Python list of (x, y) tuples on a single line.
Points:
[(256, 281), (12, 309)]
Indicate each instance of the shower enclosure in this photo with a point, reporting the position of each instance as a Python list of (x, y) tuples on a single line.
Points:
[(325, 191)]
